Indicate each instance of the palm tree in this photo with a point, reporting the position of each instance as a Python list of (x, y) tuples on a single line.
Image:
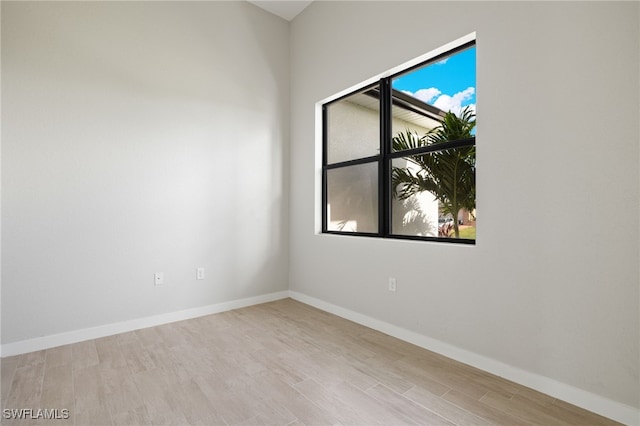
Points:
[(450, 174)]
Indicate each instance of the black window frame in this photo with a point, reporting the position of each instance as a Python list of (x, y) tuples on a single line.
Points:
[(386, 155)]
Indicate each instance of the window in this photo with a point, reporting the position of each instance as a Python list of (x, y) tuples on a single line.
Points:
[(399, 155)]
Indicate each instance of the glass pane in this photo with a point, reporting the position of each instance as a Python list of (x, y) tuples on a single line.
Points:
[(421, 99), (435, 194), (352, 198), (353, 127)]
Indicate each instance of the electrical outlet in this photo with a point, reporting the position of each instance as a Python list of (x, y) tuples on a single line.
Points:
[(200, 274), (392, 284), (158, 278)]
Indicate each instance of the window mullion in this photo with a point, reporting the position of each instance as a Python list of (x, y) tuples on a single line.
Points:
[(384, 164), (325, 142)]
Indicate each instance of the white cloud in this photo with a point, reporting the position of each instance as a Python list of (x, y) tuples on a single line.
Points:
[(435, 97), (454, 103), (425, 95)]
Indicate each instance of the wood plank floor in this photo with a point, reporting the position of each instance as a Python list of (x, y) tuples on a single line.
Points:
[(279, 363)]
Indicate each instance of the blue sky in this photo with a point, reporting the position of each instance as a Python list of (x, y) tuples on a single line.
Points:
[(449, 84)]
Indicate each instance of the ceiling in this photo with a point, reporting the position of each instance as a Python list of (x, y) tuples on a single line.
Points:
[(287, 9)]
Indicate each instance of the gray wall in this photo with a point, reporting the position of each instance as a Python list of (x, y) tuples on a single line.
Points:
[(545, 290), (136, 138)]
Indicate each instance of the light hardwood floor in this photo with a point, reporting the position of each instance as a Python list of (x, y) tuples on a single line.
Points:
[(279, 363)]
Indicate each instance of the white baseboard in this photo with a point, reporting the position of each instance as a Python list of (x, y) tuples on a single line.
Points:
[(46, 342), (589, 401)]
